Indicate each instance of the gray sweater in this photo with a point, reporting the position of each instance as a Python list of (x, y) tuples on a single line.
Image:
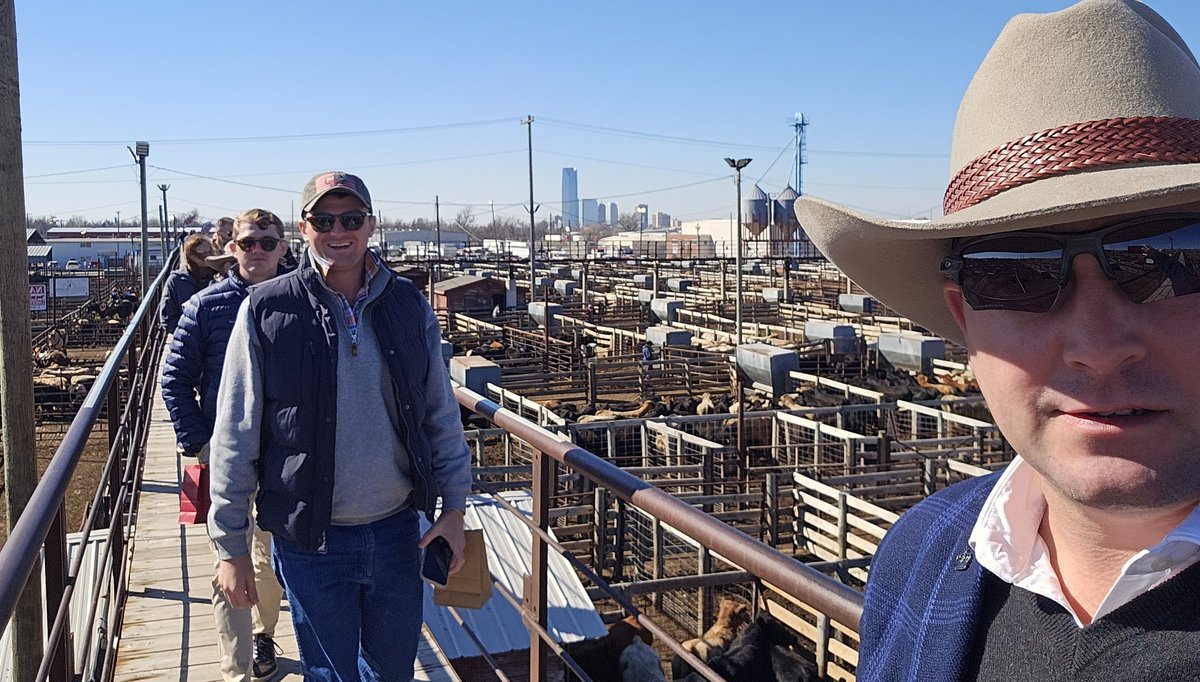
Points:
[(371, 465)]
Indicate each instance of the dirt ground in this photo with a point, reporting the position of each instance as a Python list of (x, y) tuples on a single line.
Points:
[(87, 473), (83, 483)]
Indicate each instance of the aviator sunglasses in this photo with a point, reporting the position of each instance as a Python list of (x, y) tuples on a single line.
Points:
[(247, 243), (1149, 259), (351, 220)]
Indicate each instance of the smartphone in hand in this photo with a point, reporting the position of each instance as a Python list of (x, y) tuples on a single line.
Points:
[(435, 565)]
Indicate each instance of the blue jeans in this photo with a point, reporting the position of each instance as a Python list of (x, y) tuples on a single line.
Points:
[(356, 603)]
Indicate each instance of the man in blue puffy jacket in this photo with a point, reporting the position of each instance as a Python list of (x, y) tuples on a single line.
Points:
[(190, 380)]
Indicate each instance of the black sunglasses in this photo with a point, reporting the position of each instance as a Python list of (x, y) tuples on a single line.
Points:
[(247, 243), (324, 222), (1149, 258)]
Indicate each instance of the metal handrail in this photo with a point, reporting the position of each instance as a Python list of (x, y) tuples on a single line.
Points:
[(37, 527), (41, 525), (836, 600)]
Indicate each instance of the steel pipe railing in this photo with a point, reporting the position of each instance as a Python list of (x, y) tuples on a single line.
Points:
[(837, 601), (42, 524)]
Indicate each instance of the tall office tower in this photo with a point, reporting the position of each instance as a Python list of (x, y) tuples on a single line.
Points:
[(590, 214), (570, 198), (602, 214), (612, 213), (662, 220), (643, 212)]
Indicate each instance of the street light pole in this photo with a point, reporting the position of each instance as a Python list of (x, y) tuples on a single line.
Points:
[(143, 150), (492, 206), (166, 221), (737, 165), (641, 212)]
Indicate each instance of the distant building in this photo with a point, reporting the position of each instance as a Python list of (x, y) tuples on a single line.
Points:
[(570, 198), (104, 245), (612, 213), (469, 294), (644, 212), (591, 212), (602, 214), (422, 243), (661, 220)]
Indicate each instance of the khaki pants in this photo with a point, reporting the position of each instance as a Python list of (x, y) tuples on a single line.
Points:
[(236, 627)]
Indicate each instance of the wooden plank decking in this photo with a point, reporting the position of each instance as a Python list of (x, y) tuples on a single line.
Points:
[(169, 632)]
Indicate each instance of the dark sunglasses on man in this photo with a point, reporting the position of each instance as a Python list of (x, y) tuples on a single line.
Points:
[(248, 243), (1149, 259), (324, 222)]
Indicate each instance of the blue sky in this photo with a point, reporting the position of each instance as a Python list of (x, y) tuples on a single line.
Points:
[(243, 101)]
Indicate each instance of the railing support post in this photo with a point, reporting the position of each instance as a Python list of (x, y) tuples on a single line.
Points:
[(55, 567), (535, 592)]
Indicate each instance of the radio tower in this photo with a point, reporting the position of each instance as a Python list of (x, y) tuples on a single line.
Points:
[(799, 123)]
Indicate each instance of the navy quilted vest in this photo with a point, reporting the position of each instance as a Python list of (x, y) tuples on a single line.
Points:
[(298, 336)]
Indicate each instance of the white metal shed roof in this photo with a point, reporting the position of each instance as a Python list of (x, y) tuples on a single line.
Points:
[(572, 616)]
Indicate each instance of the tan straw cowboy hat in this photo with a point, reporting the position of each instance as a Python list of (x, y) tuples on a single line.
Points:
[(1089, 112)]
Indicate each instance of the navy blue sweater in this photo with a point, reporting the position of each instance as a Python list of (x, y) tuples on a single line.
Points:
[(925, 590)]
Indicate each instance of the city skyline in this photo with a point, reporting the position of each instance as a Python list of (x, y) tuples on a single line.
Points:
[(879, 89)]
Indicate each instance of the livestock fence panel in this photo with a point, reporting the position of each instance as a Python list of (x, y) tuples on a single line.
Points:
[(804, 442), (834, 524)]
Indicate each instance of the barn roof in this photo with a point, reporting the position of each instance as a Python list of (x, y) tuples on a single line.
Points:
[(460, 282)]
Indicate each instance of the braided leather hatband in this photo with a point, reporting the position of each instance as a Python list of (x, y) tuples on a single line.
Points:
[(1110, 142)]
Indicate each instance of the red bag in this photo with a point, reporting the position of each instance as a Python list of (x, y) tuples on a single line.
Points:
[(193, 495)]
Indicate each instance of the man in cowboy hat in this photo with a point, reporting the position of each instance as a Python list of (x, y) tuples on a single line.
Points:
[(1065, 263)]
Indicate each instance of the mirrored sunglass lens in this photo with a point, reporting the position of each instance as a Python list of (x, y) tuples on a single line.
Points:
[(352, 220), (1012, 274), (267, 243), (321, 222), (1153, 261)]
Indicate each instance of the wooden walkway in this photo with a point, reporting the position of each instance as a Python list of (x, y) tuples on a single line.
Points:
[(169, 632)]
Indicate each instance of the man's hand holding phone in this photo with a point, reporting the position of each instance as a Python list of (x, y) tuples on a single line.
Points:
[(445, 538)]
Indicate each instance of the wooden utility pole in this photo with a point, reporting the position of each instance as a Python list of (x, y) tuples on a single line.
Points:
[(16, 347)]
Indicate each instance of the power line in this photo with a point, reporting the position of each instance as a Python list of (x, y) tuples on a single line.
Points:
[(93, 208), (224, 180), (278, 138), (697, 141), (620, 163), (649, 136), (74, 172)]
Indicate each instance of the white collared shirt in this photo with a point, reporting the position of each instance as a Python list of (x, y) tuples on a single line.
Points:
[(1006, 542)]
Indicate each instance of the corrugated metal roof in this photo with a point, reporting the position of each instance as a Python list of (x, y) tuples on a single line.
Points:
[(457, 282), (572, 616), (39, 250)]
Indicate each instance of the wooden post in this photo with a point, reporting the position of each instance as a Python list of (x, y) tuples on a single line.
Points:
[(883, 448), (16, 361), (930, 477)]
